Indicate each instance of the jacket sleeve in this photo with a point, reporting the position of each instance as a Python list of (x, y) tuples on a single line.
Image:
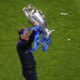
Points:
[(32, 36), (34, 30)]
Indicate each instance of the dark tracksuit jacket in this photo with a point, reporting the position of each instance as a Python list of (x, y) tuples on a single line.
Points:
[(26, 57)]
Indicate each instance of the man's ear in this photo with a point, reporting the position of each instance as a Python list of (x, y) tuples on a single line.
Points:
[(21, 36)]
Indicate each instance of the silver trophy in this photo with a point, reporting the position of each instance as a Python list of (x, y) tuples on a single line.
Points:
[(33, 14)]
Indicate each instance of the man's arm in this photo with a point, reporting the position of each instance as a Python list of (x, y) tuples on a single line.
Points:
[(35, 28), (32, 36)]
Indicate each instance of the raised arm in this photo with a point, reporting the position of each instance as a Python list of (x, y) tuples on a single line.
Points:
[(36, 29), (32, 36)]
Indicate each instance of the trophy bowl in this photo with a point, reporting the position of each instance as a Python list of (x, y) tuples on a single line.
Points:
[(33, 14)]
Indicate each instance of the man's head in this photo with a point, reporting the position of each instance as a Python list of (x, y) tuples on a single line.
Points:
[(23, 34)]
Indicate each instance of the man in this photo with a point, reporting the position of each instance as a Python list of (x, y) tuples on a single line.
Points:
[(24, 46)]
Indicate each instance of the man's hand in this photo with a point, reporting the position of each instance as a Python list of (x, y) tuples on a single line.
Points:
[(35, 23)]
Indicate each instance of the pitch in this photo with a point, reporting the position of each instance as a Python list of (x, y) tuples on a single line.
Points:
[(62, 60)]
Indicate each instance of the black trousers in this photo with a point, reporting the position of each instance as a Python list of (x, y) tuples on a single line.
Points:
[(28, 66), (29, 74)]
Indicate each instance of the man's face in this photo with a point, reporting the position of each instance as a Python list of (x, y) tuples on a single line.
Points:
[(25, 36)]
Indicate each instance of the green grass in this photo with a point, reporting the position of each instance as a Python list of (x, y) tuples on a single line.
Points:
[(62, 60)]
